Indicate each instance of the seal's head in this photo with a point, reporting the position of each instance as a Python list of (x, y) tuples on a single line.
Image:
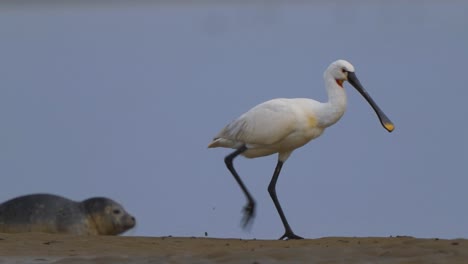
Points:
[(108, 217)]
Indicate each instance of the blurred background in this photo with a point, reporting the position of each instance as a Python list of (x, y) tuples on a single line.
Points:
[(121, 98)]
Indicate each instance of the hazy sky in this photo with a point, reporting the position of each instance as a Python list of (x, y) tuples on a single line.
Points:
[(121, 101)]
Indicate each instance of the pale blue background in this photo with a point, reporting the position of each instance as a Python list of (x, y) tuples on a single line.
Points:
[(121, 100)]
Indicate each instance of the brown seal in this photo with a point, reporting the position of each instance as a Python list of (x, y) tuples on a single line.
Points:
[(55, 214)]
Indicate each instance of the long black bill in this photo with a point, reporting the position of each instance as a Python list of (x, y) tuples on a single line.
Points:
[(384, 120)]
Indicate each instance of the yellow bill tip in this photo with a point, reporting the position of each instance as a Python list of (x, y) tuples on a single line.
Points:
[(389, 127)]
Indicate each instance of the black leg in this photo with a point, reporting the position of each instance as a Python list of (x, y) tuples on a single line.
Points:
[(249, 209), (288, 234)]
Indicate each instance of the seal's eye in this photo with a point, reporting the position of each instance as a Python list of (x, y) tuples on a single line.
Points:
[(116, 211)]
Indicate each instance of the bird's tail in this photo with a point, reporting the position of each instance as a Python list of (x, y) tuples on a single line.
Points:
[(223, 143), (215, 143)]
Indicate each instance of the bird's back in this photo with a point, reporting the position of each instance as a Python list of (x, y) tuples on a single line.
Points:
[(267, 123)]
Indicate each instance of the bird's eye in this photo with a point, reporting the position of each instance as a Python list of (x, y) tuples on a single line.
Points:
[(343, 70), (116, 211)]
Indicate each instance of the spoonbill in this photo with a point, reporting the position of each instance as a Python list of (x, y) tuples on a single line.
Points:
[(282, 125)]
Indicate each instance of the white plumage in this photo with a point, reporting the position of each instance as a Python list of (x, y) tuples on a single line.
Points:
[(276, 126), (283, 125)]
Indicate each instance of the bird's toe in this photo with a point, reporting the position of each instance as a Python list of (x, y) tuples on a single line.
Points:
[(249, 213), (290, 235)]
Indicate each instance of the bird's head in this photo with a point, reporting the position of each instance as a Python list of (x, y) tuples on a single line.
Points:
[(341, 71)]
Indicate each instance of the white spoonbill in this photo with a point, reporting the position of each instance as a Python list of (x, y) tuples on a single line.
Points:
[(283, 125)]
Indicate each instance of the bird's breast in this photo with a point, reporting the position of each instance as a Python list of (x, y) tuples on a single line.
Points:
[(311, 121), (300, 137)]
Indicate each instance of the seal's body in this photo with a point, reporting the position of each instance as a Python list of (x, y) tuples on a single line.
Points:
[(55, 214)]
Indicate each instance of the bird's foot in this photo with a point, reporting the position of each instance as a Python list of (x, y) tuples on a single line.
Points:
[(289, 235), (249, 213)]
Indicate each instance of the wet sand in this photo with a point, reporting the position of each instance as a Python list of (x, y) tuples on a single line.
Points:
[(66, 249)]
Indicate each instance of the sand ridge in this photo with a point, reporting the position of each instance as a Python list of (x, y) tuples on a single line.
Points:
[(66, 249)]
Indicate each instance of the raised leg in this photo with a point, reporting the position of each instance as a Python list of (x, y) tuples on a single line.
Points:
[(249, 209), (288, 234)]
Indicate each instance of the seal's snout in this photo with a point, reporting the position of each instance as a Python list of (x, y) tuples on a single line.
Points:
[(131, 222)]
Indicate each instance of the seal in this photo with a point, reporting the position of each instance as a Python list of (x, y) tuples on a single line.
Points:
[(50, 213)]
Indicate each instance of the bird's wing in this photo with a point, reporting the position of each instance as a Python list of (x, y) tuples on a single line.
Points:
[(265, 124)]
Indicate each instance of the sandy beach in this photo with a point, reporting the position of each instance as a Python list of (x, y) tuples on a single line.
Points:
[(66, 249)]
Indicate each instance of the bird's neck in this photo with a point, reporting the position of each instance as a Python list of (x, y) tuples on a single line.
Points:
[(334, 109)]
